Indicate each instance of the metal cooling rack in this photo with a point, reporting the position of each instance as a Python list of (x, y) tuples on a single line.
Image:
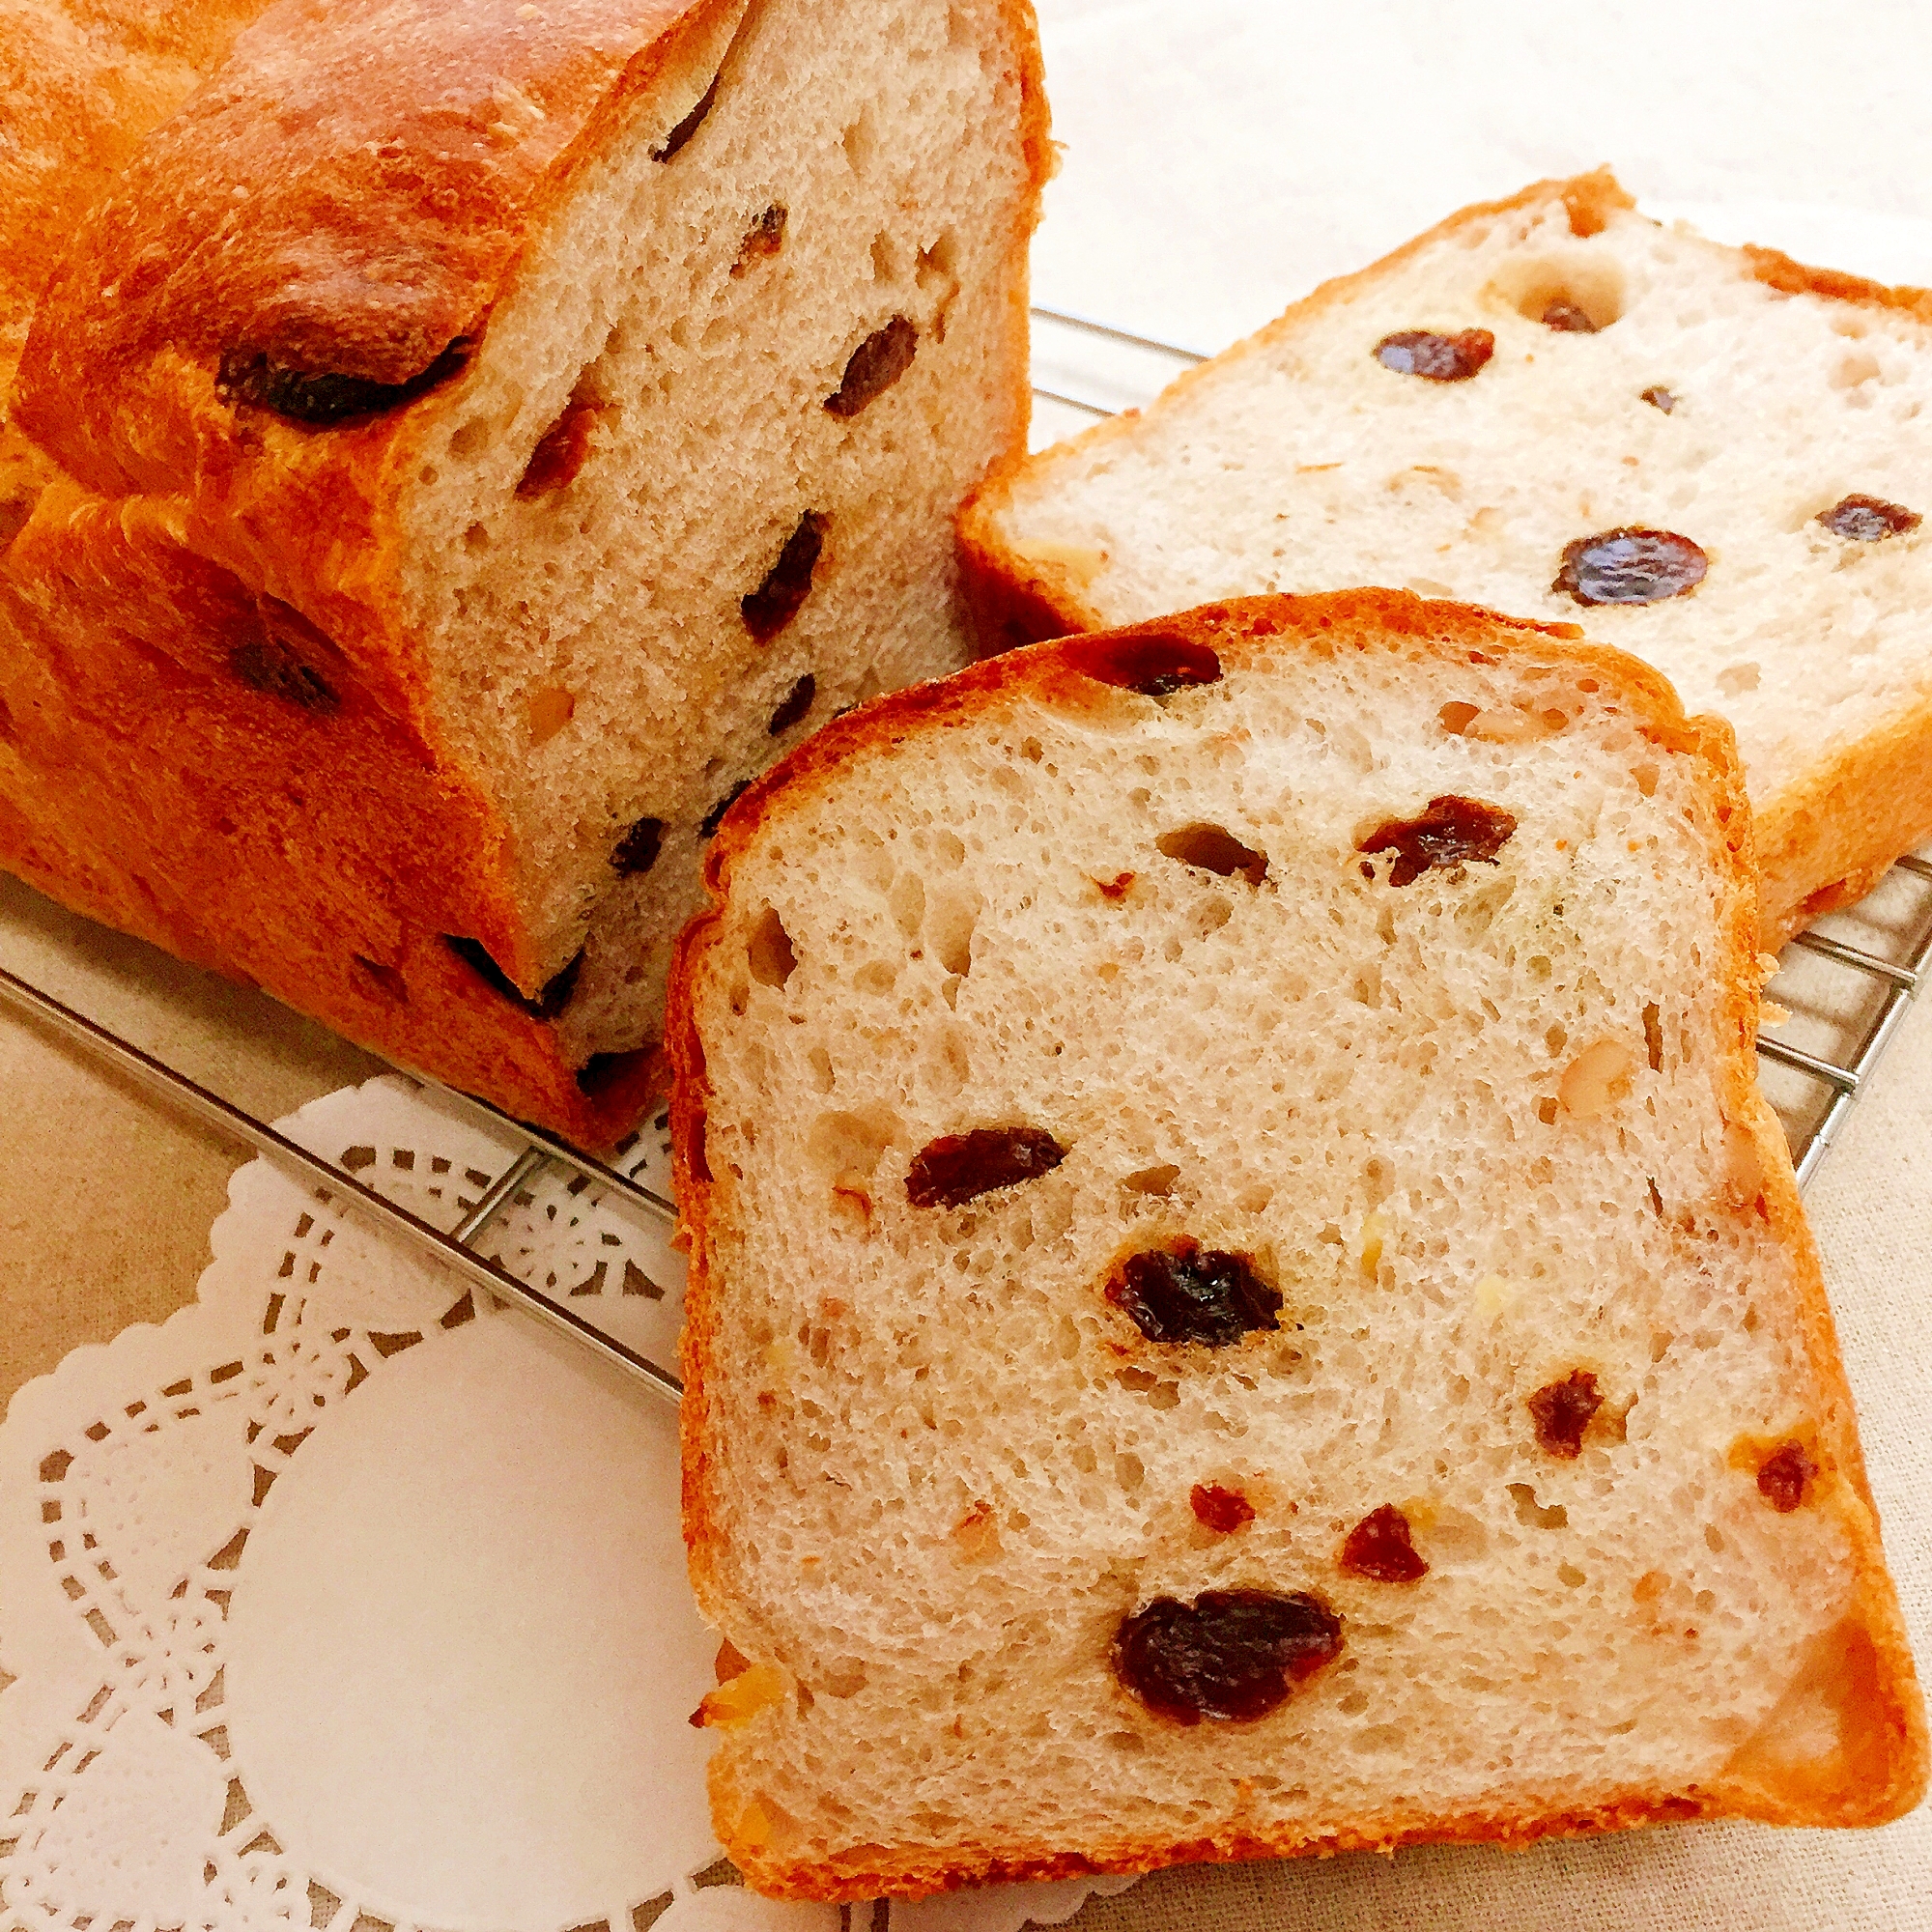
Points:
[(1847, 983)]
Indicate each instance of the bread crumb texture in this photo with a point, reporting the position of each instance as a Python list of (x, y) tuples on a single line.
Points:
[(1491, 1137), (1638, 379), (661, 391)]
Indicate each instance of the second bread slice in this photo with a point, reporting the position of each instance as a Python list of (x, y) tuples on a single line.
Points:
[(1546, 402)]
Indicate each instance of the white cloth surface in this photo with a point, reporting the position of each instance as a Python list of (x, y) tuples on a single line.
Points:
[(1222, 157)]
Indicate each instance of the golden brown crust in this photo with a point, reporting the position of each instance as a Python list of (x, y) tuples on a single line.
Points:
[(1868, 1681), (413, 151), (350, 191), (1822, 843), (1826, 841), (359, 229), (290, 831)]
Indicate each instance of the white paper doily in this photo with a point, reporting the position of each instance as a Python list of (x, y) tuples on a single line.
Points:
[(341, 1604)]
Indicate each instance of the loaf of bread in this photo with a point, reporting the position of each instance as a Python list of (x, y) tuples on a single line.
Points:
[(1546, 403), (1244, 1298), (454, 444)]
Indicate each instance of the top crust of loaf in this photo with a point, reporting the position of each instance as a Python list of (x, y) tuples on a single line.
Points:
[(1826, 832), (1878, 1769), (370, 221)]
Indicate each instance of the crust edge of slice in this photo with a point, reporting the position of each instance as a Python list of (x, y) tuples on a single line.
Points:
[(1867, 1687)]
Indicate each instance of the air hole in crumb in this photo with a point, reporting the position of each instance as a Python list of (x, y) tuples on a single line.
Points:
[(385, 979), (1571, 293), (1531, 1514), (797, 702), (688, 126), (468, 439), (562, 449), (860, 142), (949, 920), (770, 951), (715, 818), (852, 1142), (1155, 1181)]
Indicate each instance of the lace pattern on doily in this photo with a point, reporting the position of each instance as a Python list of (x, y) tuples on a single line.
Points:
[(348, 1601)]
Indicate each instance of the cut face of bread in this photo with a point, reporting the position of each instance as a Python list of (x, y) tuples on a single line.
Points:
[(444, 494), (1244, 1298), (1557, 408)]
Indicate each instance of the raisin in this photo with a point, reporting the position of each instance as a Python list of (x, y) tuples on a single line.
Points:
[(874, 366), (1868, 518), (1561, 1411), (1442, 358), (776, 602), (560, 450), (1230, 1654), (763, 238), (1209, 848), (1154, 666), (268, 666), (1567, 319), (797, 702), (1223, 1510), (688, 126), (715, 818), (1660, 398), (1784, 1476), (1190, 1294), (551, 997), (1630, 566), (958, 1167), (321, 398), (637, 850), (1450, 831), (1378, 1547)]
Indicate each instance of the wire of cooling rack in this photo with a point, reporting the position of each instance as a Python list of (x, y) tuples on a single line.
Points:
[(452, 1249), (1895, 980)]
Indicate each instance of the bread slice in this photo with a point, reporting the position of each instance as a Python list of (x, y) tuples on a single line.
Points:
[(1227, 1154), (1620, 375), (437, 476)]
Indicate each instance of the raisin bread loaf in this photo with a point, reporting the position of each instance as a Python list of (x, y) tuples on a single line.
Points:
[(455, 445), (1546, 403), (1244, 1298)]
